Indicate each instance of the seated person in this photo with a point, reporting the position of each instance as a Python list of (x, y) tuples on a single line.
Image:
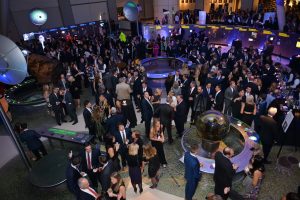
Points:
[(291, 196), (255, 174)]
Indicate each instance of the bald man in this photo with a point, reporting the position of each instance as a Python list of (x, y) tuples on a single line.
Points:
[(268, 130), (86, 192)]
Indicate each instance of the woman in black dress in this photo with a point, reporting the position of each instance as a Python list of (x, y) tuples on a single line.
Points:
[(248, 110), (237, 105), (136, 138), (117, 190), (157, 140), (112, 149), (135, 173), (151, 156)]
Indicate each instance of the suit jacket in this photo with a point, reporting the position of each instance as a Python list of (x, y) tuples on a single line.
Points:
[(192, 167), (111, 122), (165, 113), (69, 100), (32, 139), (180, 115), (94, 158), (192, 94), (87, 115), (72, 176), (54, 100), (137, 86), (123, 91), (148, 89), (224, 172), (268, 129), (147, 110), (85, 196), (229, 95), (62, 84), (200, 103), (105, 174), (219, 100), (123, 146)]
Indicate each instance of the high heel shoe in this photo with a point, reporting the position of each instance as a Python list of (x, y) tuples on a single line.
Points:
[(141, 190), (135, 190)]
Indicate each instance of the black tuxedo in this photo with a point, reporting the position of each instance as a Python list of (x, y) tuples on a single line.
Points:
[(147, 114), (87, 115), (94, 164), (206, 94), (218, 102), (268, 131), (166, 114), (123, 146), (223, 175), (56, 107), (72, 176), (180, 118), (200, 104)]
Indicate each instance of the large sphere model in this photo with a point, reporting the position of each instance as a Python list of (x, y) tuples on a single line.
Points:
[(212, 125), (38, 17), (131, 11)]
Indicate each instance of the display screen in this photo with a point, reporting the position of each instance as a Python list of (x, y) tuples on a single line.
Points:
[(298, 44), (28, 36)]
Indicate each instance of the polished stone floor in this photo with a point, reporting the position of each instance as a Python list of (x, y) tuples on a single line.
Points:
[(15, 185)]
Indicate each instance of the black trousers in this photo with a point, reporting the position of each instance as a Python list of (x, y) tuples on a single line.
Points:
[(266, 150), (179, 126), (37, 154), (123, 154), (72, 113), (168, 126), (59, 115), (147, 126)]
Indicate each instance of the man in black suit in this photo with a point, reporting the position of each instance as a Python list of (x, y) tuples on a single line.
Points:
[(106, 170), (86, 192), (179, 117), (191, 99), (230, 93), (112, 122), (90, 162), (192, 172), (208, 92), (268, 130), (122, 137), (147, 112), (62, 83), (185, 88), (73, 174), (219, 99), (224, 172), (145, 88), (200, 103), (32, 140), (166, 113), (56, 106), (70, 106), (87, 115), (136, 89)]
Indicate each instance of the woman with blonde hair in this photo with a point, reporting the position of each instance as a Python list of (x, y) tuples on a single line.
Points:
[(248, 110), (157, 139), (117, 190), (150, 155), (135, 173)]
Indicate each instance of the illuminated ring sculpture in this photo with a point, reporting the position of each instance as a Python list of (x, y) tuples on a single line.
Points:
[(157, 71), (38, 17)]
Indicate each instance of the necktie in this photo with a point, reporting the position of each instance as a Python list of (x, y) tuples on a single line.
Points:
[(95, 194), (89, 161), (208, 91), (124, 137)]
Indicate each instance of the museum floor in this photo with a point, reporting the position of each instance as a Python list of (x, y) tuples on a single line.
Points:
[(15, 185)]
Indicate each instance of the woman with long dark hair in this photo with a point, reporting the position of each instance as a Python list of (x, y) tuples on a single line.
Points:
[(117, 190)]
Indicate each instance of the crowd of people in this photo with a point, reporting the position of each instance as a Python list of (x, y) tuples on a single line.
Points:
[(222, 15), (241, 82)]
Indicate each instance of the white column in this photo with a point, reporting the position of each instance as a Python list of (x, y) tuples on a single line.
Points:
[(280, 14), (159, 5)]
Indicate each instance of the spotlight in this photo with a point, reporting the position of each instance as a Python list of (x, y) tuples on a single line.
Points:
[(63, 32), (250, 39), (191, 31), (4, 75), (271, 38)]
